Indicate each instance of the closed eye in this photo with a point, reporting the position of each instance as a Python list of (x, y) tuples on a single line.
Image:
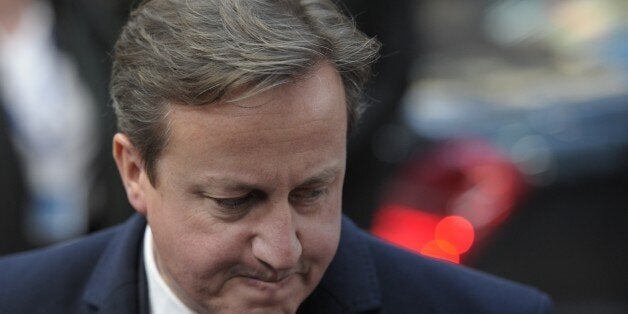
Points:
[(307, 196), (237, 205)]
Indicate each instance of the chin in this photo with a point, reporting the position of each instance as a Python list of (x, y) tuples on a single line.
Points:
[(249, 300), (272, 309), (239, 307)]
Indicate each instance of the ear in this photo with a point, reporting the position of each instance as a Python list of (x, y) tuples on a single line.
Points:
[(132, 171)]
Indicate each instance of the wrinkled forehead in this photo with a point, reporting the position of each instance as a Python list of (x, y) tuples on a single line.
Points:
[(282, 136), (283, 113), (312, 96)]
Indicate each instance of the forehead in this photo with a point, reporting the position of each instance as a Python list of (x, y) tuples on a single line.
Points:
[(310, 98), (293, 125)]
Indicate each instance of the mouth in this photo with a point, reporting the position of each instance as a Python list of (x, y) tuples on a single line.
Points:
[(268, 283)]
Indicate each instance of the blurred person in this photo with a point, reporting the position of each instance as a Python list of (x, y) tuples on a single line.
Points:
[(233, 118), (57, 180)]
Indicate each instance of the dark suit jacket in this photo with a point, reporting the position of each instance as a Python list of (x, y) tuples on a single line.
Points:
[(104, 273)]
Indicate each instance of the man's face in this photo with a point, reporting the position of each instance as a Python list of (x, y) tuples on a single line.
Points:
[(246, 211)]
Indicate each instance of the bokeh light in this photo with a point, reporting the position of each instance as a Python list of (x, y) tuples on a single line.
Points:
[(435, 249), (439, 237), (457, 232)]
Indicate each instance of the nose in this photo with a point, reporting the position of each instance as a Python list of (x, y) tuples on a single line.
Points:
[(277, 242)]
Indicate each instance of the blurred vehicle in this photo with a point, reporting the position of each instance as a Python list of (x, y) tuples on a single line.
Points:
[(439, 204), (524, 105)]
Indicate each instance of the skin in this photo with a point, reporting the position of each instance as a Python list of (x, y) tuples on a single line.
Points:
[(246, 209), (11, 12)]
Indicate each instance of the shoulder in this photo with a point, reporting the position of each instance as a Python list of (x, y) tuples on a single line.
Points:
[(408, 280), (55, 274)]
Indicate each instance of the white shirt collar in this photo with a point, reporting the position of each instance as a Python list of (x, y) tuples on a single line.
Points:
[(161, 298)]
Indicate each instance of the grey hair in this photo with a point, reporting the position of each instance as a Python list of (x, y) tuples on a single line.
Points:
[(196, 52)]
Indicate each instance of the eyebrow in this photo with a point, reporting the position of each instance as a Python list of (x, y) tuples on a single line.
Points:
[(229, 184), (325, 176)]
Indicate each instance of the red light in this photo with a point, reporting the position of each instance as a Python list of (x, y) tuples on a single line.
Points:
[(405, 226), (435, 249), (424, 233), (457, 231), (453, 236)]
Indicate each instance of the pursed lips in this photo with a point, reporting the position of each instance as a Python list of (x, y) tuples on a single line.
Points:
[(270, 278), (269, 284)]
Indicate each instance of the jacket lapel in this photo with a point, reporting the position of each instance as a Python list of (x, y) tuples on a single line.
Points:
[(115, 285)]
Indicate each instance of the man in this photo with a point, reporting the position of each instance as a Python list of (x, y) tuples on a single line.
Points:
[(233, 117)]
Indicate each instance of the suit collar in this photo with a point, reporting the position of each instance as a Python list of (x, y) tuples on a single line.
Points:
[(114, 286)]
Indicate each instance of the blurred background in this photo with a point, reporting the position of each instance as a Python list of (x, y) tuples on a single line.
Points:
[(507, 150), (496, 136)]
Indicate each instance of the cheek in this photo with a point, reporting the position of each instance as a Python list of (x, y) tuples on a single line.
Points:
[(321, 242), (187, 241), (320, 238), (194, 265), (194, 239)]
